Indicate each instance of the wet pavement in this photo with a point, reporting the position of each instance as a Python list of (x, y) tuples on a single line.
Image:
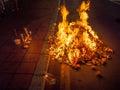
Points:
[(18, 66)]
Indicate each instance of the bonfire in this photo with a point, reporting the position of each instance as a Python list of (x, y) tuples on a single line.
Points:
[(75, 43)]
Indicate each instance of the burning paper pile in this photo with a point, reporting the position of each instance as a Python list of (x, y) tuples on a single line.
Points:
[(76, 43)]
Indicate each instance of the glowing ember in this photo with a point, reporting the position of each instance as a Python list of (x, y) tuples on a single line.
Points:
[(76, 43)]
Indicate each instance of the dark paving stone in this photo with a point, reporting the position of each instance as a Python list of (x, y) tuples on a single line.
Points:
[(27, 68), (35, 50), (20, 51), (41, 35), (31, 58), (4, 80), (3, 56), (6, 49), (15, 58), (20, 81), (36, 44), (8, 67)]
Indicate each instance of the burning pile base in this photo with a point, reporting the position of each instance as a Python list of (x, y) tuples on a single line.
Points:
[(79, 52), (76, 43)]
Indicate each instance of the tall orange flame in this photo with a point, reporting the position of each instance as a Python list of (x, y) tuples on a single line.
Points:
[(76, 42)]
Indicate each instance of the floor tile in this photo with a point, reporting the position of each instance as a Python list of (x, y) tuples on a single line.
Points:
[(8, 67), (31, 58), (20, 81), (15, 58), (3, 56), (4, 80), (26, 68), (35, 50)]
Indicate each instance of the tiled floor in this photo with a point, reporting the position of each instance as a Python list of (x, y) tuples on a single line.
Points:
[(17, 64), (20, 81)]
